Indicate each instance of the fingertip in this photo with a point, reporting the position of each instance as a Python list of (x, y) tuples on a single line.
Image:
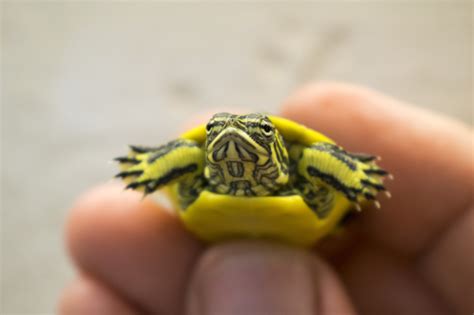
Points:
[(257, 277), (334, 108), (323, 95), (319, 93), (101, 208), (352, 114)]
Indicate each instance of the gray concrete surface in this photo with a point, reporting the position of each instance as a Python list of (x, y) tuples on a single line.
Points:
[(82, 79)]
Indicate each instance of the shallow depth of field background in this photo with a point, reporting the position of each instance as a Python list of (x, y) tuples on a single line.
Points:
[(83, 79)]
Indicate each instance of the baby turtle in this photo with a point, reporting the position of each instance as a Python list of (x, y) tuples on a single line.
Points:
[(256, 176)]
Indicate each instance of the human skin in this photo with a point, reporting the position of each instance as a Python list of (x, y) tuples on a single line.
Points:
[(414, 256)]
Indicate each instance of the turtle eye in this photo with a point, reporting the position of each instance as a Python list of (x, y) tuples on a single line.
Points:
[(266, 128)]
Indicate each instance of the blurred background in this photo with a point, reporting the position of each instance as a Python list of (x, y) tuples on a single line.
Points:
[(80, 80)]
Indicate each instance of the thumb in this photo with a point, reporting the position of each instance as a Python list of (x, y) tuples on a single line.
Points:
[(258, 278)]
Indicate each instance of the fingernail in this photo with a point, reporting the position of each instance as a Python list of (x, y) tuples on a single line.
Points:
[(253, 278)]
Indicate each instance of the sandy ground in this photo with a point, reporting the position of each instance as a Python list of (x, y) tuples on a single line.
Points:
[(81, 80)]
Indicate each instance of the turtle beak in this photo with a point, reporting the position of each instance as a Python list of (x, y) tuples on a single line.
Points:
[(234, 144)]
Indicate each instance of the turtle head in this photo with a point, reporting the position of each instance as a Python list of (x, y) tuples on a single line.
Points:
[(245, 155)]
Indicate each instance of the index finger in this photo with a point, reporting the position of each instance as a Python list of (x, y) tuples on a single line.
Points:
[(429, 155)]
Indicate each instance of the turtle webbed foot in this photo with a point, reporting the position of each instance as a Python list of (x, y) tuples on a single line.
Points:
[(147, 169), (355, 175)]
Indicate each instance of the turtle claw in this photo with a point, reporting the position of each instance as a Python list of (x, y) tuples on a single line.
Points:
[(357, 207), (372, 182)]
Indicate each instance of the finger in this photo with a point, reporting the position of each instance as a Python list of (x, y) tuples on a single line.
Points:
[(382, 283), (134, 246), (263, 278), (448, 265), (430, 157), (85, 296)]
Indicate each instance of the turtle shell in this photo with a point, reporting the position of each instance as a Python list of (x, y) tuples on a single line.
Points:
[(216, 217)]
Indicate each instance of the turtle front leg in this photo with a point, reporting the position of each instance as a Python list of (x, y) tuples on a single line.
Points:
[(147, 169), (355, 175), (320, 198)]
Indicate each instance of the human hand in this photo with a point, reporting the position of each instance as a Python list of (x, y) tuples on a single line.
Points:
[(415, 256)]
